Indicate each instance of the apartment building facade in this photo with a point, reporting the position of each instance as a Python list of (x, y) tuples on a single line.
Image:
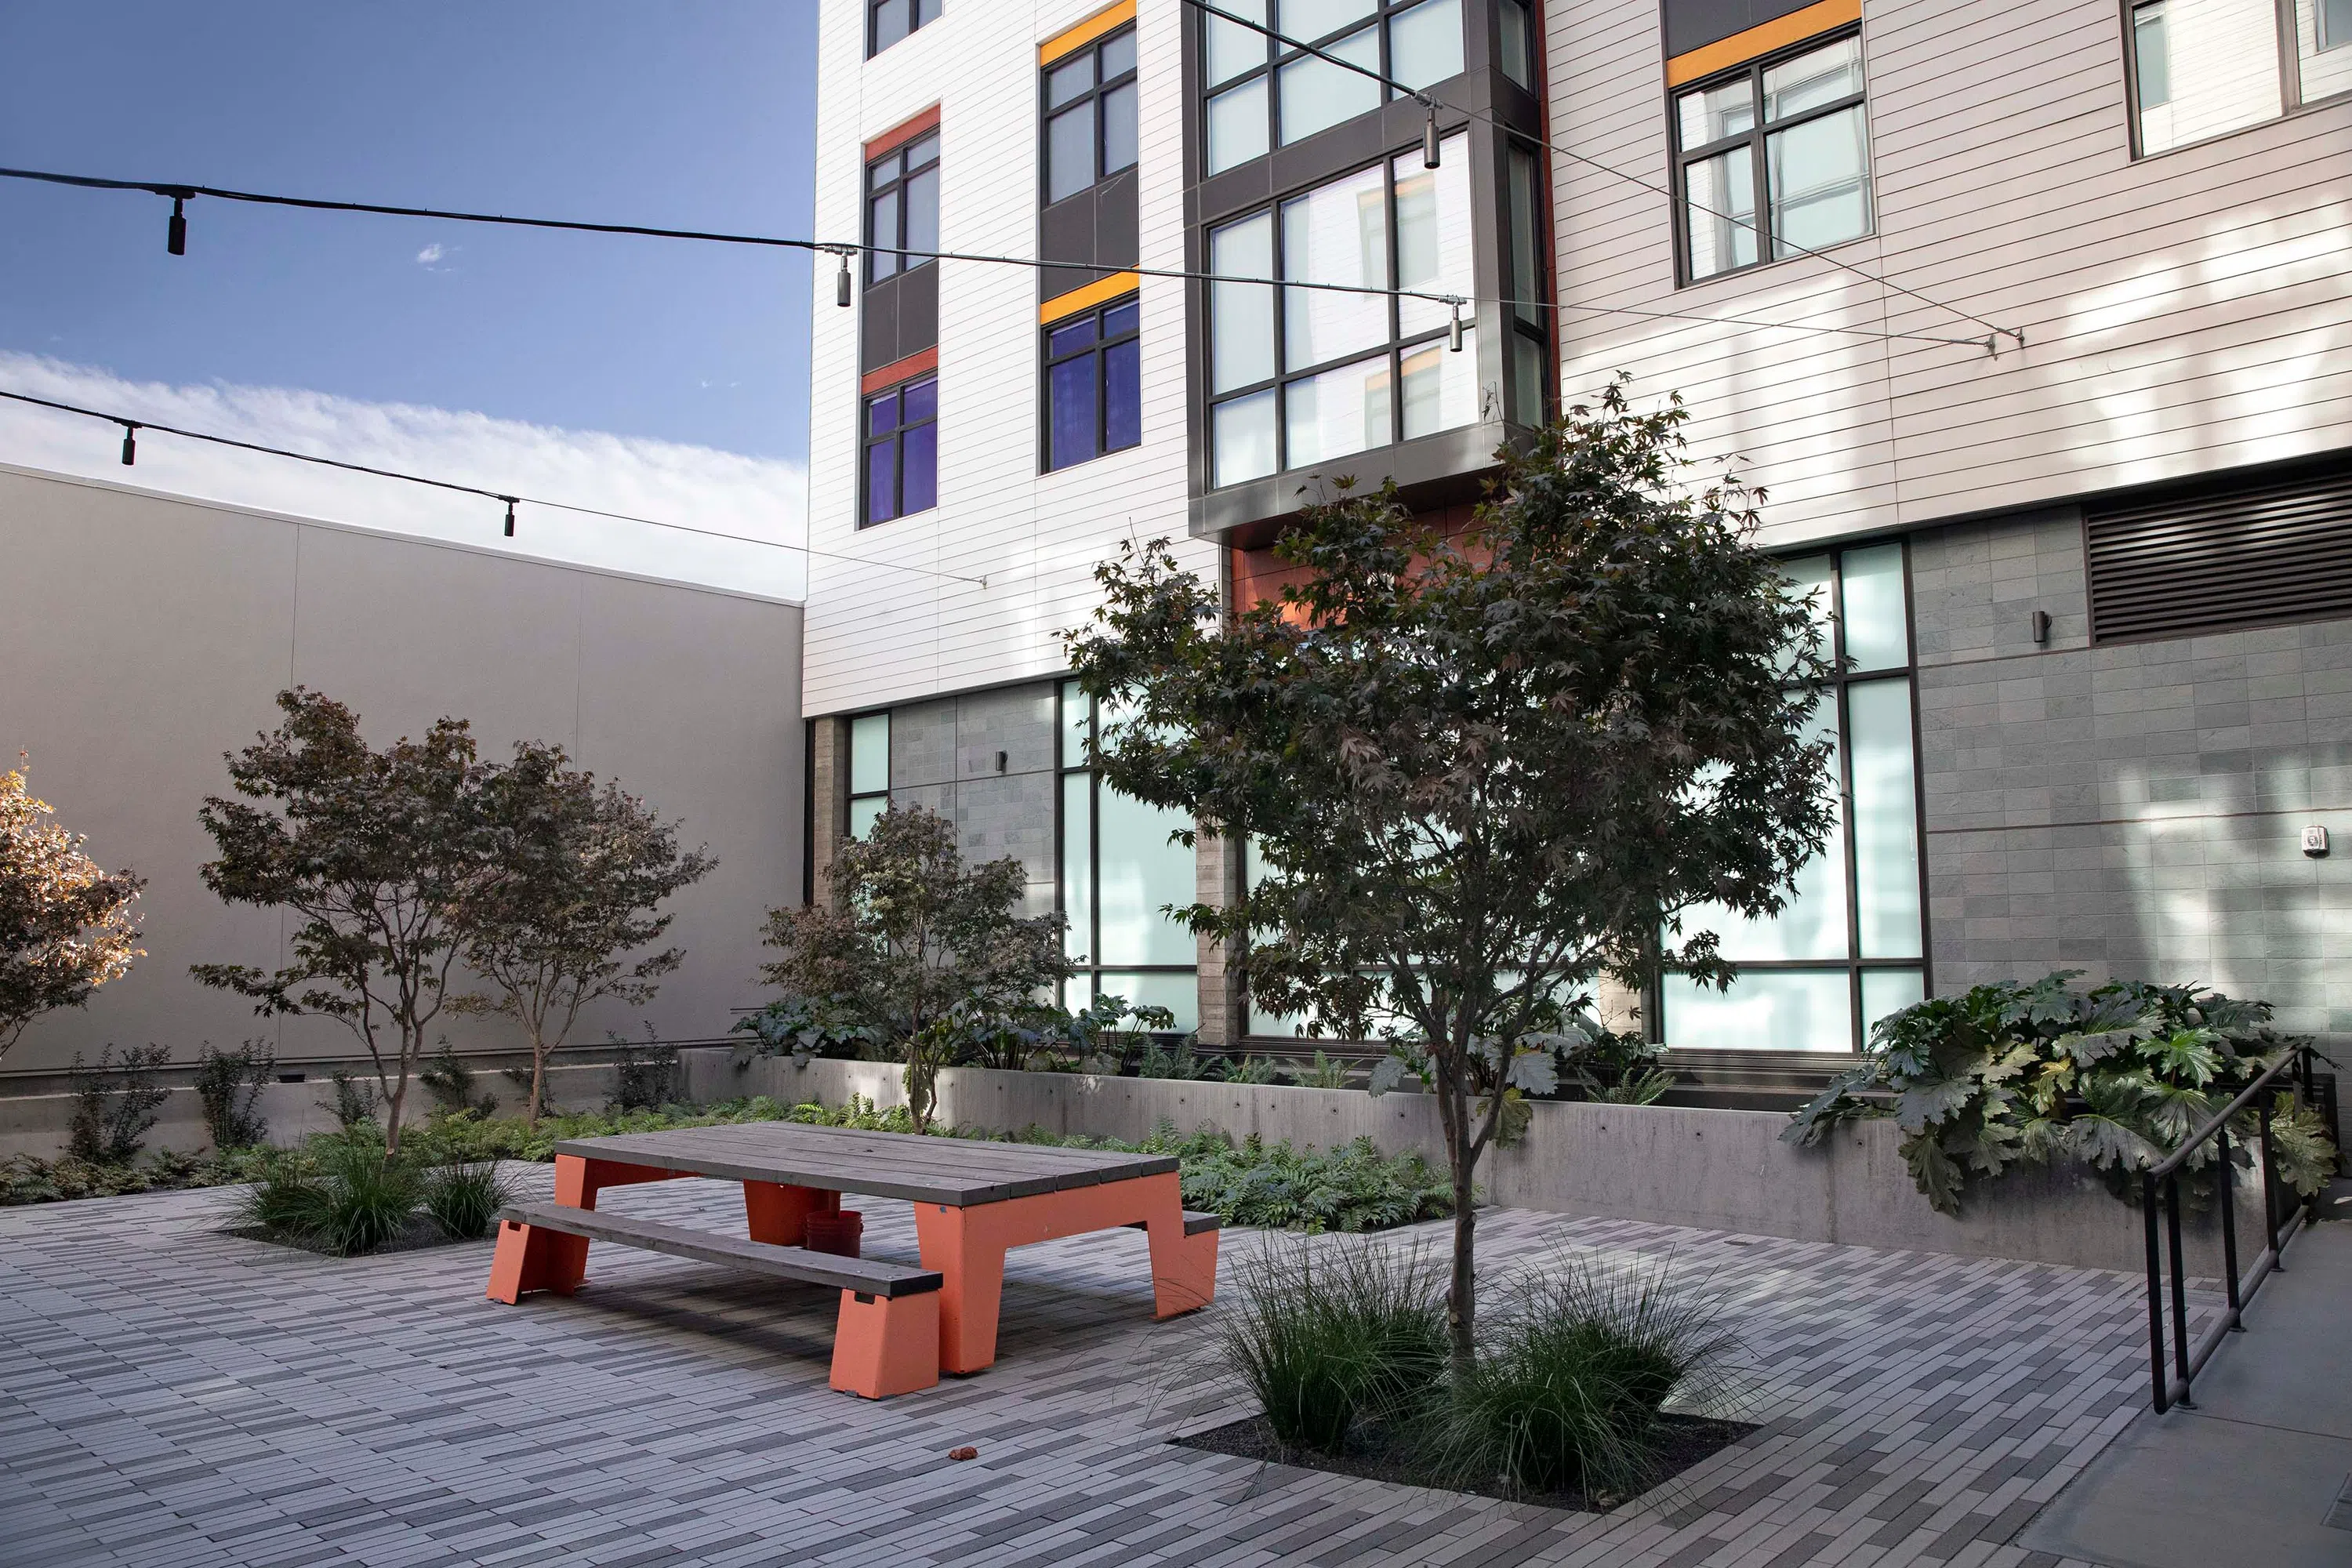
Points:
[(2032, 320)]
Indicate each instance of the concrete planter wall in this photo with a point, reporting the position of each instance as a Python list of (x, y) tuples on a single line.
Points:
[(1717, 1169)]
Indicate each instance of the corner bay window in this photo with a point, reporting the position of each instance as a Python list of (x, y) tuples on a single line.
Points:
[(1300, 376), (902, 207), (1118, 869), (1262, 94), (2205, 67), (1094, 383), (1848, 948), (1793, 128), (902, 451), (1090, 125)]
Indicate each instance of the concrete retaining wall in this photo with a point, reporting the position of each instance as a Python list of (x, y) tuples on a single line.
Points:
[(1715, 1169)]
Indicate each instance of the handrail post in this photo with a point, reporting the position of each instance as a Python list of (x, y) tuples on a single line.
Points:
[(2229, 1228), (2270, 1189), (2155, 1293), (2180, 1287)]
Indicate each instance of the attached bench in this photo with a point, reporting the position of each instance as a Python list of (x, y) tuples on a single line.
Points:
[(886, 1340), (1196, 1223)]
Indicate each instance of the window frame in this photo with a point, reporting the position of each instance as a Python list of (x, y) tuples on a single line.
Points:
[(867, 441), (1757, 137), (1834, 689), (856, 796), (1269, 70), (1098, 349), (1395, 346), (917, 7), (878, 246), (1090, 973), (2286, 39), (1048, 112)]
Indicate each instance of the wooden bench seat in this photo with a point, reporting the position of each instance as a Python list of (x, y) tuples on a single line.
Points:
[(1196, 1223), (888, 1338)]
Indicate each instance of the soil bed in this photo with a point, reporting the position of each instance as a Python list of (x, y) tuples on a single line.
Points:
[(1683, 1441), (415, 1237)]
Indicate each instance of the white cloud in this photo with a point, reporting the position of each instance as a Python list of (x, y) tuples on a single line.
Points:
[(724, 492), (430, 254)]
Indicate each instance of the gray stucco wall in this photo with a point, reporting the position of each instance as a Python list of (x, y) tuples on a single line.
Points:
[(145, 636), (2133, 809), (943, 759)]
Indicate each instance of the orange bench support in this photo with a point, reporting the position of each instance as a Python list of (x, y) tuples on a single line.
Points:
[(967, 1246)]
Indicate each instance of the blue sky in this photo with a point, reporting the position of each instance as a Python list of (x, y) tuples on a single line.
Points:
[(662, 376)]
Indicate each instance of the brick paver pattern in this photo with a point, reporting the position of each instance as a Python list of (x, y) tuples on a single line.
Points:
[(174, 1397)]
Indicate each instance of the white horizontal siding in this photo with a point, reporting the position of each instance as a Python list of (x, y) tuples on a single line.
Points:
[(874, 636), (2183, 314)]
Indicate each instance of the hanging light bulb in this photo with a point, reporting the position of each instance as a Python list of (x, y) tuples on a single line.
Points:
[(175, 236), (1429, 136), (1454, 333), (130, 444), (840, 283), (510, 506)]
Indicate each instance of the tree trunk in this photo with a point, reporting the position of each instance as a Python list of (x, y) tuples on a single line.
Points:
[(1461, 1156), (393, 1108), (538, 1081)]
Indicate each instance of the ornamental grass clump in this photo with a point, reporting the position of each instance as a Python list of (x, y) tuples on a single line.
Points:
[(344, 1198), (1333, 1340), (1567, 1391), (464, 1199)]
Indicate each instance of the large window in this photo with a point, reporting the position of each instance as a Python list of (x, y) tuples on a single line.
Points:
[(869, 771), (2205, 67), (1262, 95), (902, 207), (1094, 383), (1118, 871), (1793, 127), (887, 21), (1301, 375), (902, 451), (1090, 126), (1848, 950)]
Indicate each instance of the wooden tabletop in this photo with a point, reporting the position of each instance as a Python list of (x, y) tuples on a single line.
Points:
[(956, 1172)]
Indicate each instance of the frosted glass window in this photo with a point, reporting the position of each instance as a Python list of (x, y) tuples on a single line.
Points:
[(1240, 315), (1078, 861), (1138, 871), (1808, 581), (1820, 182), (1338, 411), (1337, 233), (1719, 194), (1231, 48), (1077, 724), (1441, 387), (1886, 818), (869, 753), (1764, 1010), (1877, 634), (2205, 67), (1180, 994), (2323, 31), (1316, 94), (1433, 235), (1426, 43), (1527, 275), (1311, 19), (1885, 991), (864, 812), (1813, 923), (1237, 125), (1241, 436)]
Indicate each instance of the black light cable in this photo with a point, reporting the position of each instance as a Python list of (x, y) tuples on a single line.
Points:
[(129, 426), (1989, 345)]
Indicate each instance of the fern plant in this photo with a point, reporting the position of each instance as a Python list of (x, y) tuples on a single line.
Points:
[(2116, 1076)]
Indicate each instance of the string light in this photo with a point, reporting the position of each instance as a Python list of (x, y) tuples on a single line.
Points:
[(840, 283), (175, 234), (130, 444), (510, 506), (1429, 136)]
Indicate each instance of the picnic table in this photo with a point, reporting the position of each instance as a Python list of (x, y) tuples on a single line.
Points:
[(899, 1327)]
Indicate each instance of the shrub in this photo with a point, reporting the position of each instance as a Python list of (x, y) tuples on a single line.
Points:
[(2116, 1076), (1567, 1389), (649, 1073), (1181, 1060), (342, 1195), (451, 1084), (464, 1199), (1332, 1340), (229, 1083), (354, 1103), (1621, 1069), (1354, 1187), (114, 1105), (1320, 1073)]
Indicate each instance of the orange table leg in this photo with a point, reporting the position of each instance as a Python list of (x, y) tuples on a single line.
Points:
[(967, 1246), (884, 1345), (778, 1215), (521, 1261)]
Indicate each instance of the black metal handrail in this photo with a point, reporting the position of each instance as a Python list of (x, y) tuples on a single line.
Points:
[(2171, 1384)]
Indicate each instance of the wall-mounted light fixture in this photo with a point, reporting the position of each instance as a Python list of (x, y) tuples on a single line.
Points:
[(2041, 628)]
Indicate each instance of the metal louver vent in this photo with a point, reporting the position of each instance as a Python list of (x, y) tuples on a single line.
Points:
[(2200, 563)]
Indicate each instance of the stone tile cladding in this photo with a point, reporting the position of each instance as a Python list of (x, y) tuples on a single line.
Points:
[(174, 1396), (2133, 809)]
